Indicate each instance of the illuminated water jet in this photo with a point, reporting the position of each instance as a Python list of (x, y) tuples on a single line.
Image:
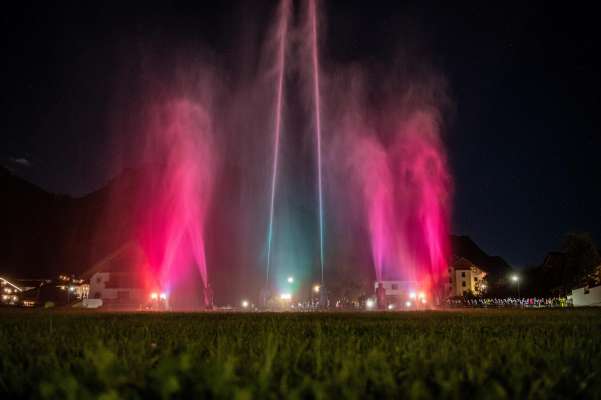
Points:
[(317, 107), (281, 33), (397, 173), (405, 187), (177, 190)]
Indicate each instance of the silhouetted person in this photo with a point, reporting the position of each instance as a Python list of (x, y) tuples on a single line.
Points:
[(323, 297), (381, 296), (209, 297)]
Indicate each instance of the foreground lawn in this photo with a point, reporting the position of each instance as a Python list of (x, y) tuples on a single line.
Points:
[(457, 354)]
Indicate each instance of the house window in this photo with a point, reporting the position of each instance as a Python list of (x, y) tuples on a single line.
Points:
[(450, 280), (463, 284), (99, 279), (463, 274), (475, 279), (586, 290), (394, 286)]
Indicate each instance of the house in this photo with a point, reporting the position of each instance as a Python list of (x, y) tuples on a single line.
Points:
[(465, 277), (399, 293), (11, 292), (586, 296), (121, 279)]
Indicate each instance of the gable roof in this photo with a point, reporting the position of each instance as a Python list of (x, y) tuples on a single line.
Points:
[(463, 263), (127, 259)]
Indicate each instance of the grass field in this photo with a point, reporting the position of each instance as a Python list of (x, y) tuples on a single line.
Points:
[(457, 355)]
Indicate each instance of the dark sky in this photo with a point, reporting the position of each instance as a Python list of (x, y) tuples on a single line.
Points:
[(522, 135)]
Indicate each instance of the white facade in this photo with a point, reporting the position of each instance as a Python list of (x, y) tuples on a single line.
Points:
[(91, 303), (398, 288), (586, 296), (465, 277), (101, 288)]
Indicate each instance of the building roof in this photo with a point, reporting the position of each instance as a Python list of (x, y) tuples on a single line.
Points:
[(127, 258), (462, 263), (120, 280)]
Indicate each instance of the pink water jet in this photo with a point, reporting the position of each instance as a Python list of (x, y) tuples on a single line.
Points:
[(177, 193), (405, 186)]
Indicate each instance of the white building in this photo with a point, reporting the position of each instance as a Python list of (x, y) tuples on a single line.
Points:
[(465, 277), (586, 296), (116, 288), (401, 293), (118, 279)]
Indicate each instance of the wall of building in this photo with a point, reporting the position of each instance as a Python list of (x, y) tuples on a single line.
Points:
[(99, 289), (462, 281), (586, 296), (398, 288)]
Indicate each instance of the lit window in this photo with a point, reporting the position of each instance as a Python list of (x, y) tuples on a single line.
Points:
[(463, 284)]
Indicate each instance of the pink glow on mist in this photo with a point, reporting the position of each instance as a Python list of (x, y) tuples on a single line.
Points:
[(173, 211), (406, 193)]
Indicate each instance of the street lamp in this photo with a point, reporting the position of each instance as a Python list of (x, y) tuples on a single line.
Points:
[(516, 279), (316, 288), (290, 279)]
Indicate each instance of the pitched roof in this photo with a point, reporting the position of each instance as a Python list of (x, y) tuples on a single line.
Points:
[(463, 263), (125, 260)]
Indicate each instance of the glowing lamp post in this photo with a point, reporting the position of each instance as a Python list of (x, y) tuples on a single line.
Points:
[(516, 279), (290, 279), (244, 303), (422, 298), (316, 289), (369, 304), (159, 300)]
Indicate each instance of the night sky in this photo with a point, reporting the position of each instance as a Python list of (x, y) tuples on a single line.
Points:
[(522, 132)]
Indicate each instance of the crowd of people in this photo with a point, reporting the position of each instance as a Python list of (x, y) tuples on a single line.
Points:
[(530, 302)]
